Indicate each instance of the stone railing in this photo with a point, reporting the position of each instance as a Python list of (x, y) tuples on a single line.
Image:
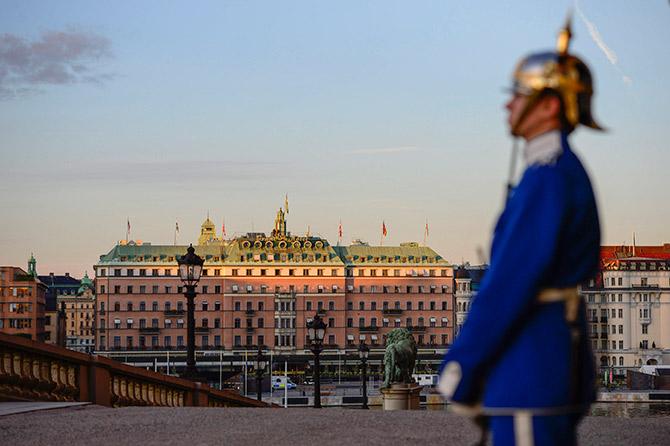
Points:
[(33, 371)]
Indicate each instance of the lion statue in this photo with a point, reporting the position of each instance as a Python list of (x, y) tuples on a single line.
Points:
[(399, 357)]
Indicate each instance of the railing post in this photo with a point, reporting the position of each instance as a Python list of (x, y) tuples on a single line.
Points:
[(99, 383)]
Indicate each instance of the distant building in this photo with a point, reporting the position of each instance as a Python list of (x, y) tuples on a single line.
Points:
[(22, 302), (262, 290), (80, 317), (57, 285), (466, 285), (628, 307)]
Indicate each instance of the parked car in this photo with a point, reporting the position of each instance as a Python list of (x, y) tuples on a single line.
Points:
[(281, 382)]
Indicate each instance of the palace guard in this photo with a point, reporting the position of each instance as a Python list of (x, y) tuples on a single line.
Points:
[(522, 362)]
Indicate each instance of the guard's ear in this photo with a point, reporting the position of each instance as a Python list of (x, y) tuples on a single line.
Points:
[(550, 106)]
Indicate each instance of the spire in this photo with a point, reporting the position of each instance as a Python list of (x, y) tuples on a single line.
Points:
[(563, 42), (280, 224), (32, 265)]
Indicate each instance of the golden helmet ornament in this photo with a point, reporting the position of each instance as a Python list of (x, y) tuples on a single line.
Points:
[(564, 74)]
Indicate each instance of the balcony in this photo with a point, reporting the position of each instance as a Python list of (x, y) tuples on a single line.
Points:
[(392, 311), (202, 329), (154, 330), (603, 319), (249, 312), (593, 335), (369, 329), (250, 329), (417, 329), (174, 312), (640, 286), (321, 312), (593, 319), (604, 335)]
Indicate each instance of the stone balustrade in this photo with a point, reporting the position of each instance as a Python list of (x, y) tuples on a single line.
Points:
[(33, 371)]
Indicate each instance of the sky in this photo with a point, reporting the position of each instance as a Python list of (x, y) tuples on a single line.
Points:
[(160, 112)]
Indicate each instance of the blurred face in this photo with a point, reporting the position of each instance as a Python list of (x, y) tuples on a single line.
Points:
[(542, 117)]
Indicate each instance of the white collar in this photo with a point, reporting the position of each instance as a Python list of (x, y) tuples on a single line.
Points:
[(543, 149)]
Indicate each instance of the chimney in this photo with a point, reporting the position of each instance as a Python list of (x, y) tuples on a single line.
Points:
[(67, 274)]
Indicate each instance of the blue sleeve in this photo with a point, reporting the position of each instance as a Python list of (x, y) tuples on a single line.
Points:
[(524, 248)]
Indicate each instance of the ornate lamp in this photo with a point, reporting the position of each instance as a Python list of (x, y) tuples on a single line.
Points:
[(316, 331), (190, 268)]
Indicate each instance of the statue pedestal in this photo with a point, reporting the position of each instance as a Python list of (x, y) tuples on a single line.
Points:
[(401, 396)]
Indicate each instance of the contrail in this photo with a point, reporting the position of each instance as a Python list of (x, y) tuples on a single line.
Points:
[(597, 38)]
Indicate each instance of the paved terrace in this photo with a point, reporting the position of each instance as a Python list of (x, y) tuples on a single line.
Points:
[(195, 426)]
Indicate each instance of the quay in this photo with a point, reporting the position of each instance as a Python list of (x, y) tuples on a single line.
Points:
[(163, 426)]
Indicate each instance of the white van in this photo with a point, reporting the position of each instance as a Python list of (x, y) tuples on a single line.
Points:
[(279, 382), (426, 380)]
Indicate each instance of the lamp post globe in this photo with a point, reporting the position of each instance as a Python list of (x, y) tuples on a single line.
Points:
[(316, 331), (190, 269), (363, 352)]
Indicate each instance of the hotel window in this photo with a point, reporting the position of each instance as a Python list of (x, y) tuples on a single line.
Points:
[(234, 272), (361, 305), (143, 323), (117, 273), (397, 323), (421, 305), (305, 272), (432, 305), (234, 288), (167, 323), (250, 289), (373, 272), (237, 322), (361, 322), (167, 272), (154, 306), (102, 289), (205, 306), (237, 306), (396, 272), (373, 306), (238, 341), (385, 322), (117, 324), (305, 289), (350, 305), (205, 322), (385, 272), (117, 341), (249, 272), (319, 272), (117, 306), (180, 306), (333, 272), (444, 306), (309, 306), (350, 322), (154, 323), (361, 272), (180, 323), (264, 272), (361, 289), (260, 306), (217, 341)]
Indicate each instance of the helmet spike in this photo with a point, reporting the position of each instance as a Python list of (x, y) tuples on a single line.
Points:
[(564, 36)]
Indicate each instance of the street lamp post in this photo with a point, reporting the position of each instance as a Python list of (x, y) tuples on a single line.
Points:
[(363, 352), (259, 365), (190, 268), (316, 330)]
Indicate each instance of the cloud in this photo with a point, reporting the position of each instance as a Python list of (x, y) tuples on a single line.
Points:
[(56, 58), (384, 150)]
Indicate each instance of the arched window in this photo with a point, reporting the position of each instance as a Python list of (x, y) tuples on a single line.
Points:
[(117, 306), (621, 360)]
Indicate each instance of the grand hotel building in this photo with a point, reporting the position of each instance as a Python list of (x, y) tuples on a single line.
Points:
[(262, 290)]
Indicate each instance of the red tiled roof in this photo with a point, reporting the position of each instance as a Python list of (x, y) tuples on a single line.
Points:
[(661, 252)]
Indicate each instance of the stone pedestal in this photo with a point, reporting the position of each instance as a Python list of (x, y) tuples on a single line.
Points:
[(401, 396)]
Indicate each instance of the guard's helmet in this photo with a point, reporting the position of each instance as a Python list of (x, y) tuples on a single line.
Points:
[(561, 73)]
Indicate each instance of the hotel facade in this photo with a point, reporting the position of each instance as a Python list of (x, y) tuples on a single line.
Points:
[(628, 307), (260, 290)]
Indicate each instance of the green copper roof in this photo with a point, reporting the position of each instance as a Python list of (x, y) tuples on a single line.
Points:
[(278, 249), (406, 253)]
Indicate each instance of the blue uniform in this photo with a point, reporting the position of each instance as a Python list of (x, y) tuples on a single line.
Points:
[(514, 352)]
